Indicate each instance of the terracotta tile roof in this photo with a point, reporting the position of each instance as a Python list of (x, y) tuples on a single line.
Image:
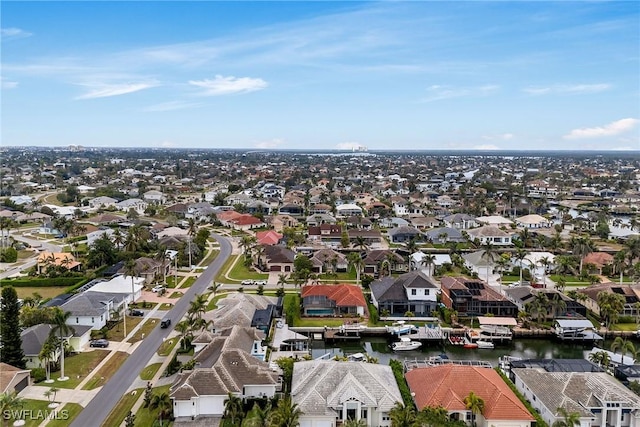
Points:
[(245, 219), (228, 215), (269, 237), (448, 385), (59, 259), (344, 295), (599, 259)]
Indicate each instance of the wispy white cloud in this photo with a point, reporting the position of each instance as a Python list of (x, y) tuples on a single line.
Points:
[(486, 147), (614, 128), (574, 89), (268, 144), (171, 106), (229, 85), (8, 84), (439, 93), (104, 90), (500, 137), (13, 33)]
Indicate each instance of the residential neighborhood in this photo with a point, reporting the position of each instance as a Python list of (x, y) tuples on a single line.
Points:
[(218, 287)]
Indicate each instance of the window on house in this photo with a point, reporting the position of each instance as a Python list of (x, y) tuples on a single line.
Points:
[(414, 292)]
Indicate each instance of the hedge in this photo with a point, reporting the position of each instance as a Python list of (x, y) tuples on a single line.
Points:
[(398, 372), (44, 282)]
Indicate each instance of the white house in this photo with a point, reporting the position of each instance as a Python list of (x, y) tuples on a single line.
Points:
[(102, 201), (329, 392), (136, 204), (121, 285), (490, 234), (347, 210), (597, 397), (533, 221), (154, 196)]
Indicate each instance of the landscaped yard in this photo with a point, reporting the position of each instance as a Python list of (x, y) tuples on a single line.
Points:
[(119, 413), (44, 291), (213, 304), (239, 272), (176, 294), (147, 417), (187, 283), (117, 332), (72, 411), (149, 371), (38, 410), (77, 367), (144, 330), (101, 377), (166, 347), (569, 280)]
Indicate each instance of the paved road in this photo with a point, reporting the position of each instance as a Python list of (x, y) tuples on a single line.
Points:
[(30, 263), (100, 407)]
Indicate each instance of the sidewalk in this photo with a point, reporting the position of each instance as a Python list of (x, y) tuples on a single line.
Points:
[(77, 395)]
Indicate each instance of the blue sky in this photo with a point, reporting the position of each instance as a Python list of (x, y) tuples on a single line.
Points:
[(417, 75)]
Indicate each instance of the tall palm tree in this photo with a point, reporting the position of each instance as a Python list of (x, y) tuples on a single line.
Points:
[(619, 262), (258, 417), (355, 259), (569, 419), (544, 262), (601, 358), (162, 403), (625, 346), (520, 256), (581, 247), (403, 416), (429, 261), (475, 404), (47, 354), (286, 413), (233, 409), (62, 330)]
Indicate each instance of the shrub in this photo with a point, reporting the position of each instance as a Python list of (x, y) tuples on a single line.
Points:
[(398, 373), (38, 374), (9, 255), (74, 282)]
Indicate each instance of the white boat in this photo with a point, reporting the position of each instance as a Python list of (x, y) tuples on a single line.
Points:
[(405, 344), (484, 344), (401, 328)]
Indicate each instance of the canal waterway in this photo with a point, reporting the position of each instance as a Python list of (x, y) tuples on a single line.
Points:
[(379, 347)]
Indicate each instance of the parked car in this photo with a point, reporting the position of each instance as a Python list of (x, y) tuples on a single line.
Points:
[(102, 343), (136, 313), (248, 282), (164, 323), (261, 282), (158, 289)]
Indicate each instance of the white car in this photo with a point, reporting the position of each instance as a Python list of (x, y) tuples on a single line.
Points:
[(158, 288), (261, 282), (248, 282)]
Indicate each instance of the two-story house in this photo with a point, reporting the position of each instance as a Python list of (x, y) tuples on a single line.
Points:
[(413, 292)]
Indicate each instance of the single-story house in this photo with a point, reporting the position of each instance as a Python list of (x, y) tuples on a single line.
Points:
[(13, 379)]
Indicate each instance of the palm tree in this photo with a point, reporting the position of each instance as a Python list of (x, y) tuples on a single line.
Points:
[(601, 358), (46, 355), (258, 417), (9, 402), (581, 246), (233, 409), (162, 403), (520, 256), (626, 346), (429, 261), (475, 404), (282, 279), (129, 270), (183, 328), (355, 259), (62, 330), (619, 262), (558, 305), (355, 423), (286, 414), (434, 417), (544, 263), (538, 308), (403, 416), (569, 419)]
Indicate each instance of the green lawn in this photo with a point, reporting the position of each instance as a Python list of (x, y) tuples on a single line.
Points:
[(176, 294), (119, 413), (166, 306), (172, 281), (103, 375), (239, 272), (44, 291), (209, 259), (72, 411), (569, 280), (225, 267), (166, 347), (213, 304), (77, 367), (187, 283), (324, 321), (149, 371), (117, 332), (145, 416), (625, 327), (37, 407), (145, 329)]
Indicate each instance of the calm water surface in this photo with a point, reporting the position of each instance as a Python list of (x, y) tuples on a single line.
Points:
[(525, 348)]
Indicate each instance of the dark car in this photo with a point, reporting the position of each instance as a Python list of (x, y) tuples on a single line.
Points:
[(99, 343), (164, 323), (136, 313)]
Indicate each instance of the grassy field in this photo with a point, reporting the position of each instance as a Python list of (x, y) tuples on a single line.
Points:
[(625, 327), (187, 283), (119, 413), (77, 367), (225, 267), (144, 330), (569, 280), (35, 406), (213, 304), (166, 347), (72, 411), (101, 377), (117, 332), (149, 371), (147, 417), (166, 306), (239, 272), (209, 259), (176, 294), (44, 291)]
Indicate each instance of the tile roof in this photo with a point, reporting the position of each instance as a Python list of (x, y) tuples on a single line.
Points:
[(7, 374), (344, 295), (269, 237), (319, 387), (448, 385)]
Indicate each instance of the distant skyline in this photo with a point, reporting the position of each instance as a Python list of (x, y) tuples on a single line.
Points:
[(405, 75)]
